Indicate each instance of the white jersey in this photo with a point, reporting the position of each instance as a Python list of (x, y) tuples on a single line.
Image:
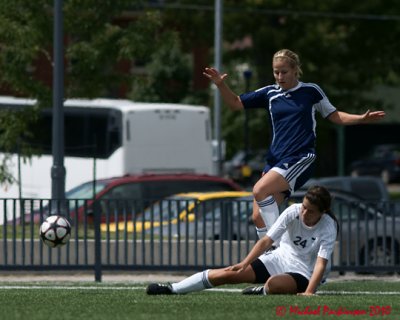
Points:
[(300, 244)]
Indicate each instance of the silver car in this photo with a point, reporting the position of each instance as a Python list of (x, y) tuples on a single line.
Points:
[(369, 233), (208, 216)]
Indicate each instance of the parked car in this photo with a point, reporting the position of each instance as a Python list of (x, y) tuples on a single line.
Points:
[(383, 161), (368, 237), (366, 188), (248, 173), (133, 193), (207, 215)]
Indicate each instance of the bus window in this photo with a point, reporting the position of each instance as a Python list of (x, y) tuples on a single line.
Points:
[(89, 132)]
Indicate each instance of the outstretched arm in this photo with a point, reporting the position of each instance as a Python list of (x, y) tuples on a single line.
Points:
[(344, 118), (230, 98), (316, 277)]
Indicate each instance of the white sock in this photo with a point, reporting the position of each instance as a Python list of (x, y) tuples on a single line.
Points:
[(261, 232), (197, 282), (269, 211)]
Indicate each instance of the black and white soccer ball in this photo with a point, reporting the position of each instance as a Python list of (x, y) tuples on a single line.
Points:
[(55, 231)]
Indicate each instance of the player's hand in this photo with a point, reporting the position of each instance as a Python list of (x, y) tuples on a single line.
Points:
[(373, 116), (239, 267), (214, 75), (306, 294)]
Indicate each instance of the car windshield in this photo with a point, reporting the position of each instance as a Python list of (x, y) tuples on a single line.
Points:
[(168, 208), (347, 209), (383, 151), (85, 191), (234, 207), (172, 207)]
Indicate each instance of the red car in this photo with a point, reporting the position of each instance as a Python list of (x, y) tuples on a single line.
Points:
[(133, 193)]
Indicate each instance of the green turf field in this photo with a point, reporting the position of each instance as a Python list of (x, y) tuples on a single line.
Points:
[(52, 300)]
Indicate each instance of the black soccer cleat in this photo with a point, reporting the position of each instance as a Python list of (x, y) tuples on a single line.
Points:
[(159, 288), (253, 290)]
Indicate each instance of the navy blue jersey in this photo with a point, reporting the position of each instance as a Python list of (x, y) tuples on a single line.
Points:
[(292, 116)]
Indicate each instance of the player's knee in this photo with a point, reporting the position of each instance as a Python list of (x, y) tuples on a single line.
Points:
[(279, 285), (258, 191), (261, 190), (273, 286)]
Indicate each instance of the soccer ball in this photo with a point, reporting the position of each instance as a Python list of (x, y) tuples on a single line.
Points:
[(55, 231)]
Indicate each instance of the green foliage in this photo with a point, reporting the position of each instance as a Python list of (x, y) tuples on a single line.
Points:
[(94, 55), (25, 32), (99, 37), (168, 75), (13, 136)]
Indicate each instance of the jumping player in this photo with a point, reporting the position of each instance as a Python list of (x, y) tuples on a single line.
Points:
[(307, 230), (291, 105)]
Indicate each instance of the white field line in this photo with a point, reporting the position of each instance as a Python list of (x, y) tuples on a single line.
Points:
[(35, 287)]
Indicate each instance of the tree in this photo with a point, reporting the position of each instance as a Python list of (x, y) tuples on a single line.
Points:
[(168, 75), (99, 36)]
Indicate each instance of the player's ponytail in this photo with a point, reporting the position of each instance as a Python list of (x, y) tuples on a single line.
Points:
[(332, 215)]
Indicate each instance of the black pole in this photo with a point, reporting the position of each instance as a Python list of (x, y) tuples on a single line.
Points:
[(98, 273), (58, 169)]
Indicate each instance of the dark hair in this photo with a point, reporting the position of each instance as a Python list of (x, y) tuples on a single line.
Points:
[(320, 197)]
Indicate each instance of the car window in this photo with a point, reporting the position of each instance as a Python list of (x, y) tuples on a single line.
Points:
[(121, 200), (344, 211), (124, 191), (211, 209), (333, 184), (162, 189), (167, 209), (85, 191), (232, 207), (366, 190), (244, 208), (379, 153)]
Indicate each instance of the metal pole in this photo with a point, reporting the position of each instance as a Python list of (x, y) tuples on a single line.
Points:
[(217, 96), (58, 169), (98, 273), (341, 150)]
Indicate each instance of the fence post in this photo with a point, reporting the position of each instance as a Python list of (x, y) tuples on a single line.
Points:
[(97, 242)]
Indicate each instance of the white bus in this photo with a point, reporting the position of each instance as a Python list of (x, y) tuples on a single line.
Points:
[(106, 138)]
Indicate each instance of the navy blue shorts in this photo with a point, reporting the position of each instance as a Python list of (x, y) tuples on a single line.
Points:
[(296, 170)]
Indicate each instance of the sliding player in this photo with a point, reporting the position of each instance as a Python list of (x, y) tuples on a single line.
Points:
[(307, 232)]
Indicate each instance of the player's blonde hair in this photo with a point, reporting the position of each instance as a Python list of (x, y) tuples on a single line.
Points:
[(292, 58)]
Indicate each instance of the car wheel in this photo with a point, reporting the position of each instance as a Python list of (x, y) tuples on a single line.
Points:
[(385, 175), (354, 173), (380, 256)]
